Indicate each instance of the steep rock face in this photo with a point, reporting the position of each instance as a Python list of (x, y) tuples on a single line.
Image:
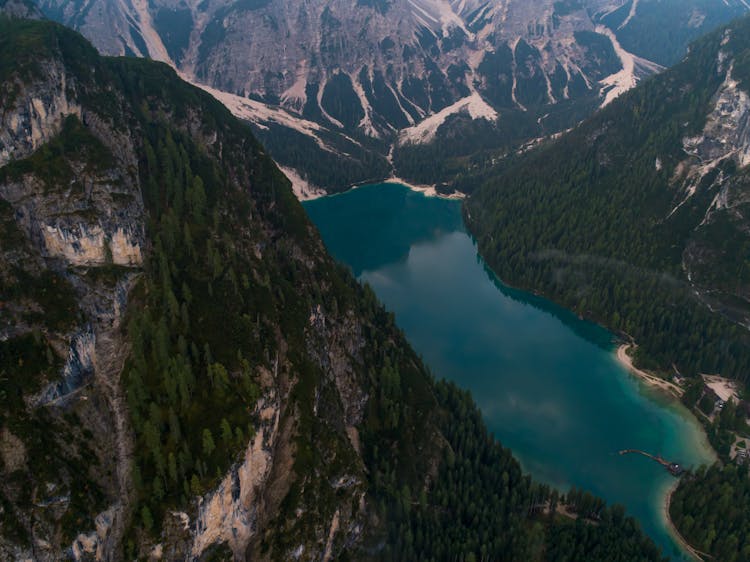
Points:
[(725, 138), (165, 428), (20, 9), (37, 116), (373, 67), (74, 208), (381, 65), (229, 514), (430, 70), (716, 170)]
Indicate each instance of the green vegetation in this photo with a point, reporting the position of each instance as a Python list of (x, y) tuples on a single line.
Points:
[(586, 221), (462, 143), (194, 331), (711, 509), (341, 102), (27, 46), (479, 506), (174, 26), (61, 459), (599, 48), (53, 163), (661, 31), (727, 423), (25, 363), (337, 171), (38, 308), (223, 312), (465, 151)]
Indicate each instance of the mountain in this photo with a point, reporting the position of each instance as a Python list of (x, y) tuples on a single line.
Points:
[(185, 374), (638, 218), (368, 83), (20, 9)]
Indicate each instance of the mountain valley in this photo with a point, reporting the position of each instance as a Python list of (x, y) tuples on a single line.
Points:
[(187, 374)]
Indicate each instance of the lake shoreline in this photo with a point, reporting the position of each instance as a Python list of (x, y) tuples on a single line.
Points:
[(670, 389), (686, 546), (426, 190), (498, 351), (305, 191), (674, 392), (648, 378)]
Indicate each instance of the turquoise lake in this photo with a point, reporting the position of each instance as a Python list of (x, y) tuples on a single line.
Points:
[(549, 385)]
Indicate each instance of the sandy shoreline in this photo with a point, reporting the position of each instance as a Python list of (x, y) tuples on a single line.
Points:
[(427, 190), (653, 380), (306, 191), (676, 392)]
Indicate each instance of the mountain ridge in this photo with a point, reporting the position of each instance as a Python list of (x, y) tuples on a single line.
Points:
[(353, 71), (186, 374)]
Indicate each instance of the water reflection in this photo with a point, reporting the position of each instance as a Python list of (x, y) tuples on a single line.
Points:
[(548, 384)]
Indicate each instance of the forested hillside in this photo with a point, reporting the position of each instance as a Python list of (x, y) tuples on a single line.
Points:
[(638, 218), (184, 371), (711, 509)]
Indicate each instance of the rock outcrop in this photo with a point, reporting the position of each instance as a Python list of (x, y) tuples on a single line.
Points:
[(98, 158)]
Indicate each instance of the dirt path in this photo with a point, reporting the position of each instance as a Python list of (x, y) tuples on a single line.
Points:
[(696, 554)]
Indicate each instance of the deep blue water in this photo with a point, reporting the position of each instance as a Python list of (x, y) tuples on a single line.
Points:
[(548, 384)]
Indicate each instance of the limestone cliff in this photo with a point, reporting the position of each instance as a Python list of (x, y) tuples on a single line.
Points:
[(335, 85), (184, 370)]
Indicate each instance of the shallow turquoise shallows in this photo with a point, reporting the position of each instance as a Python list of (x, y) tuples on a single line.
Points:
[(548, 384)]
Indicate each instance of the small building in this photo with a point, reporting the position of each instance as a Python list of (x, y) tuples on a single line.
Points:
[(675, 469)]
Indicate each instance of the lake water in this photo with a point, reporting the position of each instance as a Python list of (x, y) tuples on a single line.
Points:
[(548, 384)]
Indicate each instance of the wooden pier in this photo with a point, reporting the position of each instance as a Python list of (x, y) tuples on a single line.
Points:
[(674, 468)]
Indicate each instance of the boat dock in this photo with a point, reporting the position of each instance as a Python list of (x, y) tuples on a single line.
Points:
[(674, 468)]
